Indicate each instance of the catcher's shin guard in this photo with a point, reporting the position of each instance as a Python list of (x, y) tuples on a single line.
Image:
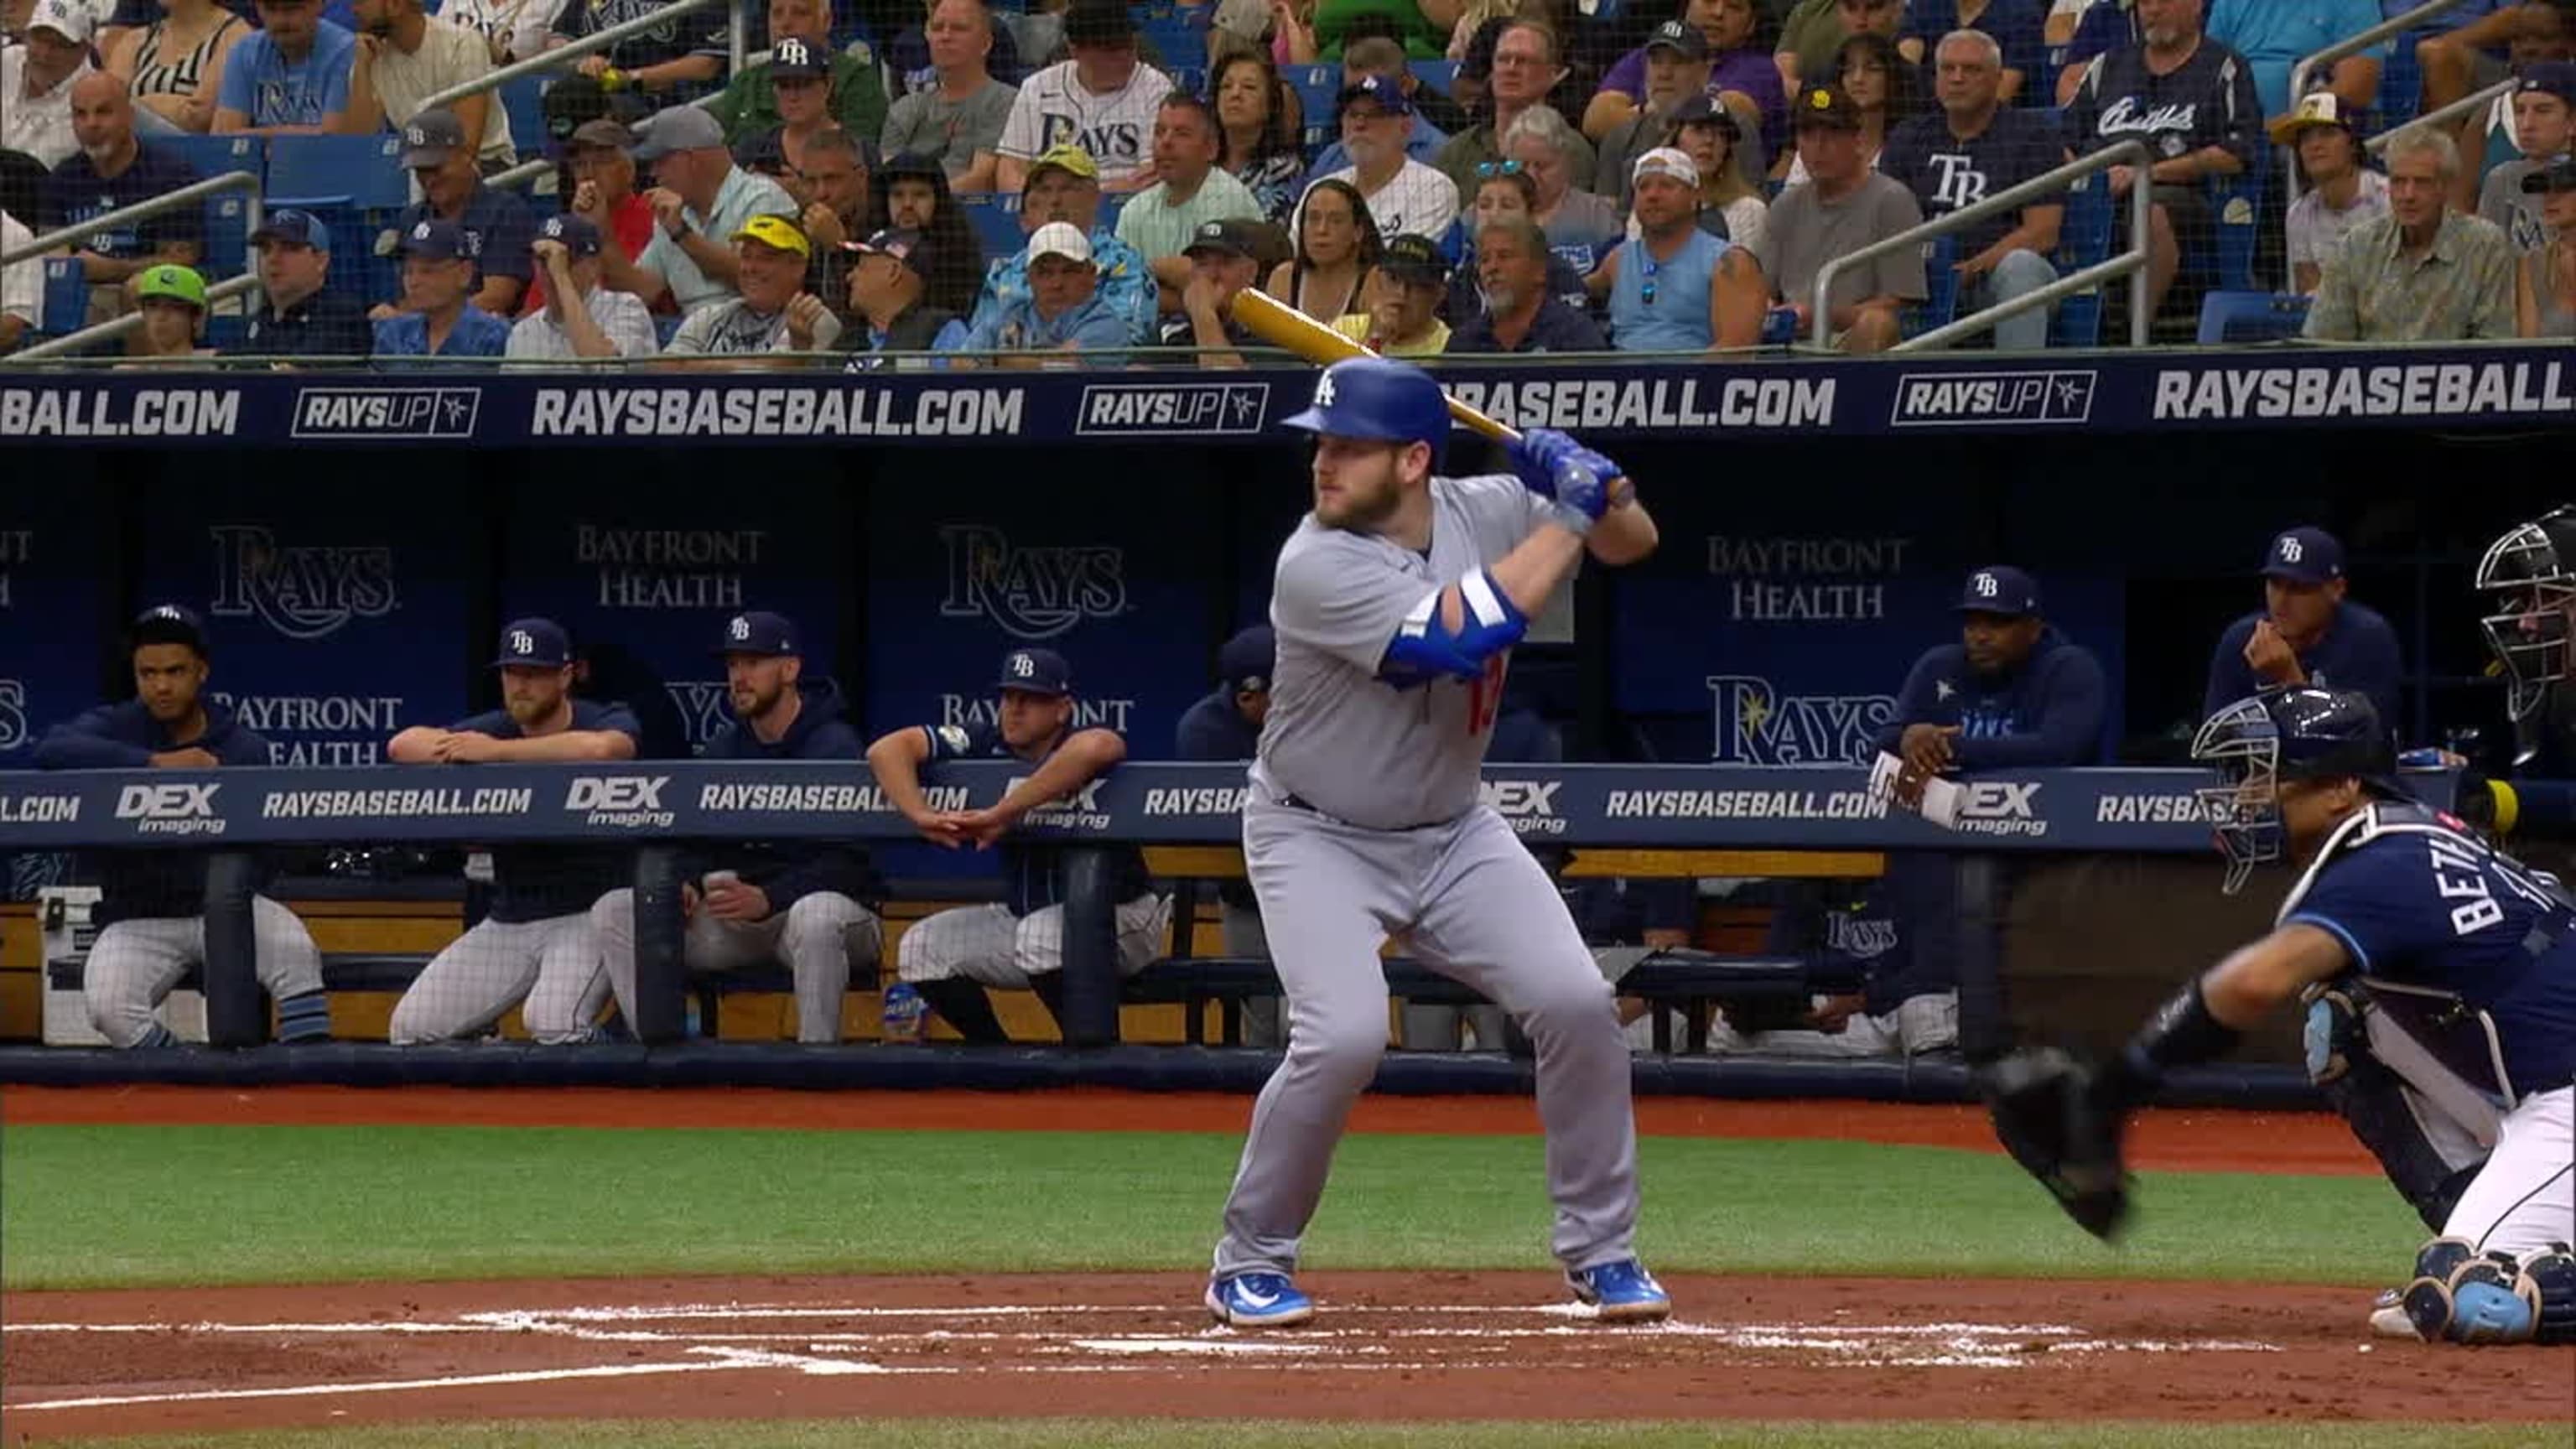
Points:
[(2462, 1296), (2548, 1283)]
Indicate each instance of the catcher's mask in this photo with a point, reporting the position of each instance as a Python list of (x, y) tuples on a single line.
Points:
[(2526, 573), (2284, 734)]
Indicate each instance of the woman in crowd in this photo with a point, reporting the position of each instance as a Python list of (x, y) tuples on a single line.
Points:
[(1879, 82), (2545, 282), (1256, 113), (1337, 247), (1581, 225), (1729, 205), (175, 68)]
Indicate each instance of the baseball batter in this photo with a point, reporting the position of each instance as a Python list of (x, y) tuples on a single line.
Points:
[(2415, 946), (1396, 604)]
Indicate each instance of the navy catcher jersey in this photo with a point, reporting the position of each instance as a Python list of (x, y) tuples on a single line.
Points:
[(1032, 874), (2421, 904)]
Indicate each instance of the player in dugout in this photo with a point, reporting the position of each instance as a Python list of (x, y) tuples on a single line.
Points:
[(151, 907), (1018, 941), (2307, 632)]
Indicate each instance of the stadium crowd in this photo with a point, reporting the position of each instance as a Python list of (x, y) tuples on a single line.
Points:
[(1097, 181)]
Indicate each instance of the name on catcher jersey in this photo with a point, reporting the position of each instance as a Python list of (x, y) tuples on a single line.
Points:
[(1342, 738), (2420, 904)]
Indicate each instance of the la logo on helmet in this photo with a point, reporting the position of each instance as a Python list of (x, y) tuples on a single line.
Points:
[(1324, 391)]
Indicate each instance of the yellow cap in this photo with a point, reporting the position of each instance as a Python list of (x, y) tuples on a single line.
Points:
[(1066, 157), (776, 231), (2316, 108)]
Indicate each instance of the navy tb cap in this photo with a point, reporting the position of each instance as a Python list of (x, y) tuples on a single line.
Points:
[(2304, 555), (533, 644), (2000, 589), (1246, 661), (433, 240), (170, 624), (759, 633), (1036, 671)]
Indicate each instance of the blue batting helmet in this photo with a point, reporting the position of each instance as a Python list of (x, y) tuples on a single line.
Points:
[(2300, 733), (1377, 397)]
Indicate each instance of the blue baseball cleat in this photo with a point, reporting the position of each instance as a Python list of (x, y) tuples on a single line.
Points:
[(1258, 1300), (1622, 1292)]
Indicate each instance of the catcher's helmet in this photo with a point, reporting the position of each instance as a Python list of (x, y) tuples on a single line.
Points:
[(1377, 397), (2299, 733), (2528, 572)]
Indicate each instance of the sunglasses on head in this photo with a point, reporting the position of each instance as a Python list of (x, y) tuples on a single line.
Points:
[(1488, 170)]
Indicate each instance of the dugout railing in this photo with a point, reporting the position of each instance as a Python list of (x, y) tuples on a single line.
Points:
[(662, 807)]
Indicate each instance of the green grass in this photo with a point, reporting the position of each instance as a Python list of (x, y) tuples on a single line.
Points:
[(1129, 1434), (93, 1207)]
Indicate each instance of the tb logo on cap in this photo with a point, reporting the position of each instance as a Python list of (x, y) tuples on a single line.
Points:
[(420, 232), (1987, 588), (1023, 667), (522, 642), (740, 628), (554, 228), (2290, 549), (415, 136)]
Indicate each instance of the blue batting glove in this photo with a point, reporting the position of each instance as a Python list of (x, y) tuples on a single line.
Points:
[(1554, 466)]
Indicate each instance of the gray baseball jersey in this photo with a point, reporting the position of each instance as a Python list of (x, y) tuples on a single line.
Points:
[(1339, 737)]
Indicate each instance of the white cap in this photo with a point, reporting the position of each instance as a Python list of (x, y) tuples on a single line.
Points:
[(1667, 161), (69, 19), (1060, 239)]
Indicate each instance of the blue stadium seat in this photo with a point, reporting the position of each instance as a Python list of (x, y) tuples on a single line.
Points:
[(227, 246), (362, 172), (1440, 75), (2401, 84), (66, 299), (2084, 240), (996, 216), (2236, 207), (2251, 317), (523, 101), (1940, 304), (1319, 93)]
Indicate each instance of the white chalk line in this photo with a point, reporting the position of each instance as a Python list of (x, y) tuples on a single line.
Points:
[(1950, 1345)]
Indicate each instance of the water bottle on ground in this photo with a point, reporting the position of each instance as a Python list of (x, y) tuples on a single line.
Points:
[(906, 1014)]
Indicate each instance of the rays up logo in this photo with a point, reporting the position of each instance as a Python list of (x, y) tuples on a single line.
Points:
[(303, 591)]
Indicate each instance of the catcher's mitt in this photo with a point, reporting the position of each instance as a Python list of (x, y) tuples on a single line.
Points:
[(2054, 1121)]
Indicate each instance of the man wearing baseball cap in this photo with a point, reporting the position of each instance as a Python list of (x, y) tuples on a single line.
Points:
[(1064, 186), (1224, 725), (579, 318), (1403, 195), (173, 302), (300, 313), (2544, 123), (773, 313), (889, 298), (701, 201), (1401, 302), (748, 105), (2307, 632), (152, 903), (439, 318), (495, 224), (1064, 311), (289, 77), (1101, 99), (1225, 259), (36, 81), (1843, 207), (1018, 942), (2342, 191), (2013, 693), (799, 902), (1676, 288), (536, 944), (599, 154)]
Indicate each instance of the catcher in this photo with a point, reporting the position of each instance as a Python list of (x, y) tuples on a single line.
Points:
[(2420, 952)]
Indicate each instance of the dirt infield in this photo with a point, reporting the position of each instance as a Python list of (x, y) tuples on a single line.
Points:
[(2287, 1142), (1388, 1347)]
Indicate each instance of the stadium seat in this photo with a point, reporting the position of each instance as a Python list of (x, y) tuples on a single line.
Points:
[(215, 155), (66, 295), (2251, 317), (1940, 304), (1440, 75), (2236, 206), (1319, 94), (996, 216), (321, 172), (2084, 240), (523, 101)]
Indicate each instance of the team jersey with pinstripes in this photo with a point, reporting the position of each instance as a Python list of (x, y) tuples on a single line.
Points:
[(1032, 874), (1361, 742)]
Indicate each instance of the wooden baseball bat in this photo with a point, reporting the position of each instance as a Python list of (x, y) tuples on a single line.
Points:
[(1284, 327)]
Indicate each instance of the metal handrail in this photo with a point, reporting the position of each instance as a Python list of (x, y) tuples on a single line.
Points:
[(188, 195), (2352, 45), (556, 58), (2131, 152), (223, 291), (2475, 100)]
